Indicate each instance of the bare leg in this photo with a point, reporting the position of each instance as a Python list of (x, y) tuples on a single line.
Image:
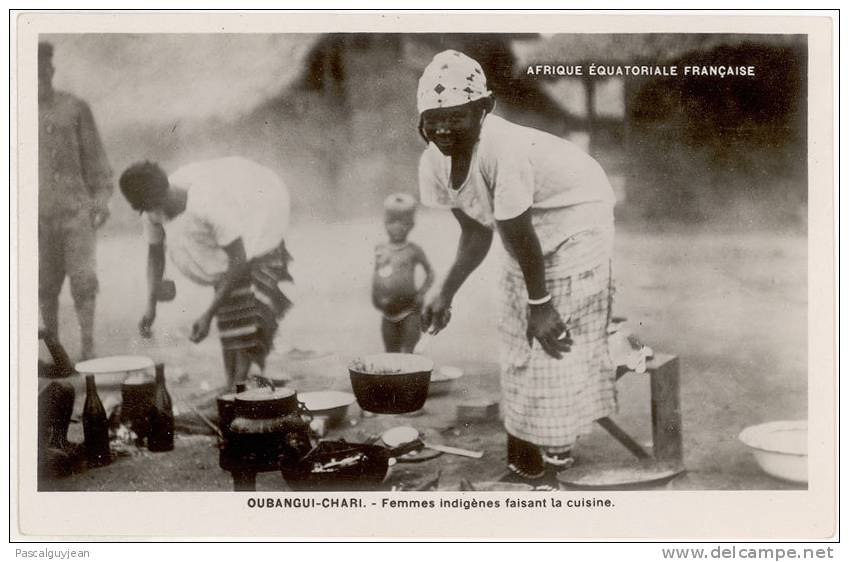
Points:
[(391, 336), (230, 368), (85, 314), (243, 365), (51, 275), (236, 365), (50, 313), (81, 264), (410, 333)]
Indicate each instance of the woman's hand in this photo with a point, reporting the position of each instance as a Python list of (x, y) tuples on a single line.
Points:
[(200, 329), (146, 322), (545, 324), (436, 314)]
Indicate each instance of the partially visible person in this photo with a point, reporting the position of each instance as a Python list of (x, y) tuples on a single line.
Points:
[(74, 187), (224, 222), (55, 405), (394, 290), (552, 205)]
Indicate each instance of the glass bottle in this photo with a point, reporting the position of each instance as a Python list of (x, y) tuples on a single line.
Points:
[(95, 426), (161, 428)]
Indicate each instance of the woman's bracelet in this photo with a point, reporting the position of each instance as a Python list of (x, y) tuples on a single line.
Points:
[(543, 300)]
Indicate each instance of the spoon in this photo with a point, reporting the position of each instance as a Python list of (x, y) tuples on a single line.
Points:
[(397, 436)]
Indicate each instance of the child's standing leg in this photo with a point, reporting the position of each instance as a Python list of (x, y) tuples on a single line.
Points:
[(391, 335), (409, 333), (243, 365)]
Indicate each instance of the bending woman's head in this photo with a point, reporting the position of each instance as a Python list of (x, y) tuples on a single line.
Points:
[(144, 185), (452, 100)]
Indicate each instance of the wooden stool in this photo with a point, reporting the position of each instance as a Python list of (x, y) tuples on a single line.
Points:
[(664, 378)]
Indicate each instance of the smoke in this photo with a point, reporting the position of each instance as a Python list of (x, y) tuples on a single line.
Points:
[(161, 78)]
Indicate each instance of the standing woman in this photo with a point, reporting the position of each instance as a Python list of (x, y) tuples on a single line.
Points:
[(552, 205)]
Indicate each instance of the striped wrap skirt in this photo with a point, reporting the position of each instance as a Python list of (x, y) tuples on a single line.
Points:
[(248, 317), (551, 402)]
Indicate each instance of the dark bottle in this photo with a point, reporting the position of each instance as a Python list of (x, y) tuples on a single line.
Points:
[(95, 426), (161, 429)]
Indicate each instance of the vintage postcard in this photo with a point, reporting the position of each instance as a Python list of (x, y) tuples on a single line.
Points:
[(462, 276)]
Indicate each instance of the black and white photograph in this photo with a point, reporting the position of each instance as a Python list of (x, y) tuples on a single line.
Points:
[(547, 267)]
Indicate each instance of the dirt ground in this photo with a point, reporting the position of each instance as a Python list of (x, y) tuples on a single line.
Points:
[(731, 305)]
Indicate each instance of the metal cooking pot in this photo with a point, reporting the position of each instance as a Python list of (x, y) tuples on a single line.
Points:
[(136, 401), (226, 412), (253, 407), (341, 466), (391, 383), (265, 424), (166, 291)]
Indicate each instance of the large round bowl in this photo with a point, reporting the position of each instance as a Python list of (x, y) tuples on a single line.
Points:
[(113, 371), (443, 379), (780, 448), (390, 383), (329, 404)]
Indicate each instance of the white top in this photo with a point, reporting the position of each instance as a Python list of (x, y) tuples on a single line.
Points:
[(515, 168), (228, 198)]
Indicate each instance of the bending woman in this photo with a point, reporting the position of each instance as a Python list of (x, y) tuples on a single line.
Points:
[(552, 206), (224, 221)]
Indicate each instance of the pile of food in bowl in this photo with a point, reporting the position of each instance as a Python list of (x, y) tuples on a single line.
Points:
[(391, 383)]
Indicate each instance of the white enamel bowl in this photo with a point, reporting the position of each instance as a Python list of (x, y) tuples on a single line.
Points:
[(780, 448)]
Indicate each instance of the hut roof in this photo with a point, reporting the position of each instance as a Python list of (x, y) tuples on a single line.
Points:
[(624, 48)]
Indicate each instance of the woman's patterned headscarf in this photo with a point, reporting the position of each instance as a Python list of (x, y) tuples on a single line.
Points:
[(451, 79)]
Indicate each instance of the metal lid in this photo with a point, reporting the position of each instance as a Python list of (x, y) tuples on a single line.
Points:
[(261, 403), (619, 475)]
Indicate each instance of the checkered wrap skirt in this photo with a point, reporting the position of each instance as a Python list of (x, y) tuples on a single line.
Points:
[(550, 402), (248, 317)]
